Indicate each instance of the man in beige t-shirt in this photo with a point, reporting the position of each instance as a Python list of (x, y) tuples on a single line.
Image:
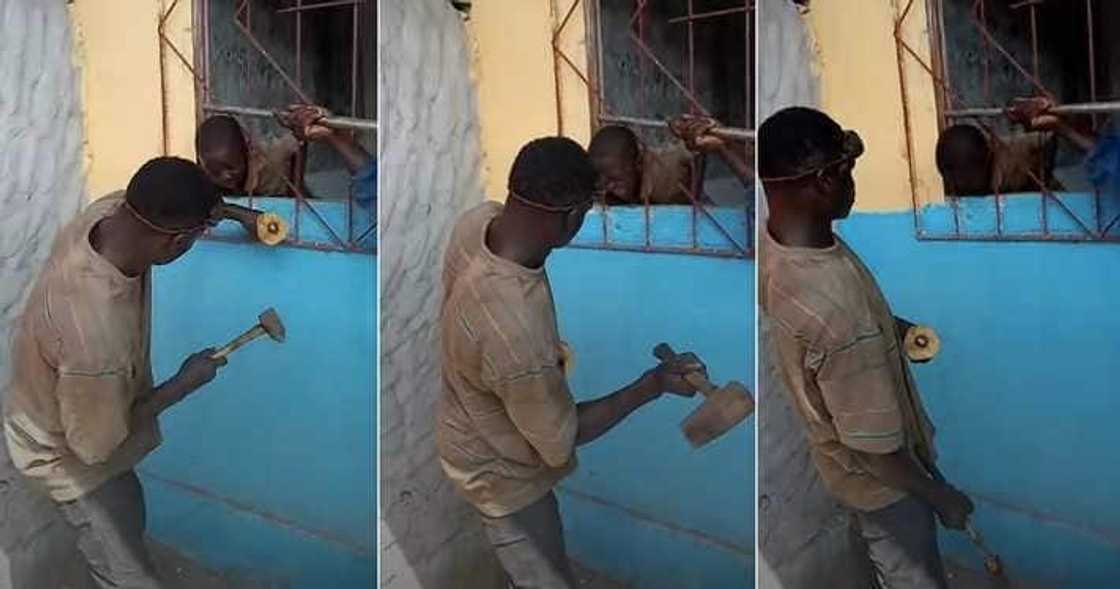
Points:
[(840, 355), (507, 425), (81, 410)]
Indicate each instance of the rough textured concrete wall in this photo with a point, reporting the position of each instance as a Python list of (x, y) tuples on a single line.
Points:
[(804, 536), (41, 186), (430, 157)]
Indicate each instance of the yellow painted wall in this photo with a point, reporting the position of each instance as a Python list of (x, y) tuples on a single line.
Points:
[(517, 86), (118, 52), (859, 86)]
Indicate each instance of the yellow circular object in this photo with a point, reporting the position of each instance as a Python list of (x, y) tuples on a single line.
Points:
[(921, 343), (271, 228), (567, 358)]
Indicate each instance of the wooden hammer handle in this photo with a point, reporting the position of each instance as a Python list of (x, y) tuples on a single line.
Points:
[(665, 353), (255, 332)]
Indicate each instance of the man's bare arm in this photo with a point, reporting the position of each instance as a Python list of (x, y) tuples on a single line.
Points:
[(1036, 113), (304, 122), (737, 163), (599, 416), (696, 132), (898, 470)]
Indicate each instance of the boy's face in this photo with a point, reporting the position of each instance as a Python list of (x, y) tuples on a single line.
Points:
[(619, 175), (227, 166), (972, 177)]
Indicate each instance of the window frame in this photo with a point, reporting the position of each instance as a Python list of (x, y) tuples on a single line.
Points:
[(1099, 228), (328, 239), (736, 246)]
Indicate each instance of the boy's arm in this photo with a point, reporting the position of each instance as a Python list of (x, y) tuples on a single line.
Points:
[(1036, 113), (304, 123), (697, 136)]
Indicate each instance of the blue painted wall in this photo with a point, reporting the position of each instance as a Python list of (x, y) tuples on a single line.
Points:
[(269, 470), (643, 506), (1024, 392)]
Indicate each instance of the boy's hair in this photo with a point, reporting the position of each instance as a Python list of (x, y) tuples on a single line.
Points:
[(615, 138), (218, 130), (961, 143)]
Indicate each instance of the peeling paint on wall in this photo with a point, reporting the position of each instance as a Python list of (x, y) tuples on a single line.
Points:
[(431, 159), (41, 188)]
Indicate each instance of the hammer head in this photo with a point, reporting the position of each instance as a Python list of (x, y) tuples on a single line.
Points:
[(272, 325), (722, 410)]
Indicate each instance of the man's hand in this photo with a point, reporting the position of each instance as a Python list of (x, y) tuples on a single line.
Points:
[(696, 133), (669, 376), (1033, 113), (198, 369), (303, 121), (952, 506)]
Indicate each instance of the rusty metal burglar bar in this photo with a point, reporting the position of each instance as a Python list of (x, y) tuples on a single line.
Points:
[(740, 246), (951, 107), (242, 20)]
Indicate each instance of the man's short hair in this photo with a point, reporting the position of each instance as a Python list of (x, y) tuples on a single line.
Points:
[(796, 140), (615, 139), (553, 171), (172, 193), (218, 131), (961, 143)]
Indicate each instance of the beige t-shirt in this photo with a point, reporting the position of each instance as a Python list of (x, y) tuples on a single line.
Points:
[(1016, 157), (840, 357), (269, 165), (666, 175), (80, 362), (506, 421)]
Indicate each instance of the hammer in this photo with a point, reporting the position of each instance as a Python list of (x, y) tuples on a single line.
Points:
[(269, 324), (268, 228), (723, 408), (992, 561)]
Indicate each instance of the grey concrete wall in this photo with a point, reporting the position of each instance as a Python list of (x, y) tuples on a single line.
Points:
[(804, 536), (41, 187), (430, 160)]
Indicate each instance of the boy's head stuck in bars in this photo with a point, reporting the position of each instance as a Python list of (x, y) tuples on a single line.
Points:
[(964, 160), (617, 157), (241, 166), (223, 152), (806, 162), (977, 162), (631, 173)]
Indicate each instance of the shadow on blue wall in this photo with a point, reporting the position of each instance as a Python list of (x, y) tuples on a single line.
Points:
[(269, 471), (644, 507), (1023, 394)]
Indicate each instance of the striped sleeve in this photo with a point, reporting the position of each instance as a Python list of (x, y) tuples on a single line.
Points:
[(93, 391), (858, 387)]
